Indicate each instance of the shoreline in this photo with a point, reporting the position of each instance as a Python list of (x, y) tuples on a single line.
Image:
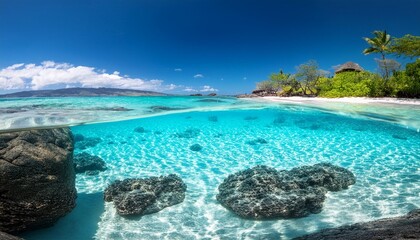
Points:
[(358, 100)]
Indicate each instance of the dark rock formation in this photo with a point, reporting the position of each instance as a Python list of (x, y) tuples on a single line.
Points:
[(145, 196), (213, 119), (196, 95), (264, 193), (196, 147), (84, 162), (87, 142), (212, 94), (405, 227), (139, 130), (5, 236), (250, 118), (189, 133), (78, 137), (257, 141), (37, 181)]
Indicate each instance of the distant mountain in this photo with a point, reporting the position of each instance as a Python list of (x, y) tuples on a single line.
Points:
[(82, 92)]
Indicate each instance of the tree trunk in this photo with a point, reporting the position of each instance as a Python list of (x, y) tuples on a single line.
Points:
[(385, 66)]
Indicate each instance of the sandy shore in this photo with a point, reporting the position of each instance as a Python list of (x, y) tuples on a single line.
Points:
[(361, 100)]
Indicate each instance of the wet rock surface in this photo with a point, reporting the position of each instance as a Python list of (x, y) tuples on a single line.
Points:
[(5, 236), (89, 164), (265, 193), (404, 227), (145, 196), (37, 181)]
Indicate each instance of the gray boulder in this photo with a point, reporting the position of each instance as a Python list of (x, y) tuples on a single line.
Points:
[(84, 162), (265, 193), (145, 196), (404, 227), (37, 181)]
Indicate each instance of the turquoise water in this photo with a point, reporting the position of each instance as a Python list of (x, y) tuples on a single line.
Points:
[(384, 156)]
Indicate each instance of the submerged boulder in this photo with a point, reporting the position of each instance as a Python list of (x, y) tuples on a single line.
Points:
[(404, 227), (257, 141), (84, 162), (37, 180), (265, 193), (145, 196), (196, 147)]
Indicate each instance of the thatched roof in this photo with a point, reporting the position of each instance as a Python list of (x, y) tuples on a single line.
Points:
[(349, 67)]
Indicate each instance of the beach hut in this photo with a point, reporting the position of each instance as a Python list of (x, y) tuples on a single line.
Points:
[(348, 67)]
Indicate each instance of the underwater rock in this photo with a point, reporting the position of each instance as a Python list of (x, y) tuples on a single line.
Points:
[(212, 94), (84, 162), (87, 142), (265, 193), (145, 196), (37, 180), (196, 147), (279, 120), (78, 137), (213, 119), (257, 141), (250, 118), (189, 133), (5, 236), (399, 137), (196, 95), (326, 175), (139, 130), (404, 227)]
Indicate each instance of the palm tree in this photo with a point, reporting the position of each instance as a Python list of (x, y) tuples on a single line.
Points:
[(379, 44)]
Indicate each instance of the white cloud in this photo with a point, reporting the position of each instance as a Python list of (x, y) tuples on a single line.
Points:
[(178, 69), (189, 89), (207, 88), (50, 74), (199, 75)]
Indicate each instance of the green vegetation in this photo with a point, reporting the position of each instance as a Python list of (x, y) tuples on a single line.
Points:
[(379, 44), (390, 81), (406, 46)]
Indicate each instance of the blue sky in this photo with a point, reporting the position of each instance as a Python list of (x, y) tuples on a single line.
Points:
[(185, 46)]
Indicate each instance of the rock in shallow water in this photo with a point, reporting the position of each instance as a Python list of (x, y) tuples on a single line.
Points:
[(84, 162), (196, 147), (145, 196), (264, 193), (37, 181), (404, 227)]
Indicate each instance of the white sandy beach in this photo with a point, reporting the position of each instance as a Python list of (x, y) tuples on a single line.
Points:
[(361, 100)]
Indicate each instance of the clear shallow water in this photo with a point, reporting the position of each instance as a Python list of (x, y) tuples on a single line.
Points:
[(22, 113), (384, 157)]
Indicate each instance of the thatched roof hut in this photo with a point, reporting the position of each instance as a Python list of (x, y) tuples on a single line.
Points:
[(348, 67)]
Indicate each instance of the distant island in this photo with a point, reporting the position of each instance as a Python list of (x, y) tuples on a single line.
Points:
[(82, 92)]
